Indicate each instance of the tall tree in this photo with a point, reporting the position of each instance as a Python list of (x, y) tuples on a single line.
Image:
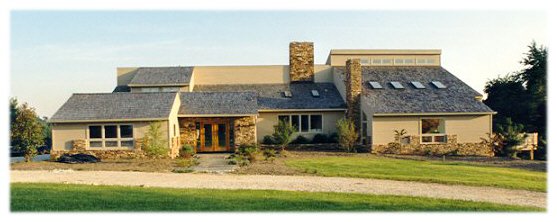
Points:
[(26, 132)]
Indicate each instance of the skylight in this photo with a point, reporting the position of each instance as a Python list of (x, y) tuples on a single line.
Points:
[(288, 94), (397, 85), (418, 85), (375, 85), (315, 93), (438, 84)]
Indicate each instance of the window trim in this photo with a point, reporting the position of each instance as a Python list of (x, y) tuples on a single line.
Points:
[(103, 139), (432, 135)]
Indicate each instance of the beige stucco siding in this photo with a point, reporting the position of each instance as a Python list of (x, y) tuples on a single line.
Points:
[(467, 128), (266, 121), (338, 80), (63, 134), (125, 75), (323, 73), (217, 75), (173, 127)]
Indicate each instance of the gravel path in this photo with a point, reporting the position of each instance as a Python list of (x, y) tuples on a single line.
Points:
[(295, 183)]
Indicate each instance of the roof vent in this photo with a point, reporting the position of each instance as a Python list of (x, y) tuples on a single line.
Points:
[(438, 84), (397, 85), (418, 85), (375, 85), (314, 93), (288, 94)]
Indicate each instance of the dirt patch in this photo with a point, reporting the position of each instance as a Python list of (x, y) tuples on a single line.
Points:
[(142, 165)]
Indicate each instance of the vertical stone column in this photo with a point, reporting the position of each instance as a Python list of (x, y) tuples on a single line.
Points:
[(244, 130), (353, 91), (301, 62), (187, 136)]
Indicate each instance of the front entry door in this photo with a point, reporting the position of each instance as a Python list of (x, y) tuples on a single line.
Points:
[(215, 137)]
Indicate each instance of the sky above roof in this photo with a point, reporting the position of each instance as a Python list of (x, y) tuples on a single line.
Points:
[(57, 53)]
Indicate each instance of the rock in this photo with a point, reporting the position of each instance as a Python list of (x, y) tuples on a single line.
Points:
[(78, 158)]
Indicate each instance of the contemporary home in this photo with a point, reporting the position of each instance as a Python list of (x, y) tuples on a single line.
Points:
[(216, 108)]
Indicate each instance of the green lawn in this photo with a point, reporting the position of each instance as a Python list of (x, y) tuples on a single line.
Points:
[(424, 171), (64, 197)]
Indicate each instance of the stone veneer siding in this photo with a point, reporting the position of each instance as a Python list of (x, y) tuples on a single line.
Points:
[(353, 91), (79, 146), (301, 62), (244, 130), (413, 147)]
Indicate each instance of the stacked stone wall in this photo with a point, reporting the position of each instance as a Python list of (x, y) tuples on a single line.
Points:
[(452, 147), (301, 62)]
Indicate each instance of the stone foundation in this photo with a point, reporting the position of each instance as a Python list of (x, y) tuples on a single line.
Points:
[(452, 147), (79, 146), (244, 130)]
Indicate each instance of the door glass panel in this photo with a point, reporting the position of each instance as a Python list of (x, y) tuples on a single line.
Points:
[(208, 135), (222, 135), (198, 135)]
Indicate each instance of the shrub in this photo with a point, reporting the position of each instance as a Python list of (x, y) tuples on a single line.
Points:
[(392, 148), (333, 138), (512, 137), (154, 143), (300, 140), (268, 140), (320, 138), (347, 134), (269, 154), (247, 152), (282, 133), (187, 151), (186, 162)]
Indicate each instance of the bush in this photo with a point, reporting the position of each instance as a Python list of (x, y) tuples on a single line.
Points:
[(187, 151), (268, 140), (333, 138), (301, 140), (392, 148), (347, 134), (154, 143), (282, 133), (320, 138), (186, 162), (269, 154), (247, 152)]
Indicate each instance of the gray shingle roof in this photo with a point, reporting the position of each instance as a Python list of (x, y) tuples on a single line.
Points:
[(205, 103), (162, 76), (457, 97), (100, 106), (271, 96)]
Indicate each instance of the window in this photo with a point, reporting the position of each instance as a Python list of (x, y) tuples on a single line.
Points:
[(397, 85), (375, 85), (399, 61), (433, 131), (288, 94), (364, 61), (409, 61), (95, 132), (111, 136), (305, 123), (295, 122), (110, 131), (430, 61), (148, 89), (418, 85), (316, 124), (438, 84), (376, 61), (315, 93), (126, 131), (284, 118), (420, 61), (387, 61), (170, 89)]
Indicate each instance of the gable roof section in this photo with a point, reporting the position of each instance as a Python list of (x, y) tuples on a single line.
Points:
[(177, 76), (115, 106), (458, 97), (218, 103), (271, 96)]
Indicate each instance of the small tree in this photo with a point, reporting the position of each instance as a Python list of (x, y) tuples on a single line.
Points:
[(283, 134), (399, 134), (154, 143), (26, 131), (512, 136), (347, 134)]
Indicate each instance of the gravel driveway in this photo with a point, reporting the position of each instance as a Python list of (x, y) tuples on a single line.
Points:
[(294, 183)]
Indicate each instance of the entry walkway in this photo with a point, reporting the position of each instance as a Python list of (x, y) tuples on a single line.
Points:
[(294, 183), (213, 163)]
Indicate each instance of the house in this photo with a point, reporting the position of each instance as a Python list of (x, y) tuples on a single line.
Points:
[(217, 108)]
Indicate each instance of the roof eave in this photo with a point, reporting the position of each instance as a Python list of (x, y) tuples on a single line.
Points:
[(435, 114), (107, 120)]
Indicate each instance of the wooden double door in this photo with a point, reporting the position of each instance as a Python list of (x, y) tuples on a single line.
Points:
[(213, 136)]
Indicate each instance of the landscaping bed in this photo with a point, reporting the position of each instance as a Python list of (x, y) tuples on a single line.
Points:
[(143, 165)]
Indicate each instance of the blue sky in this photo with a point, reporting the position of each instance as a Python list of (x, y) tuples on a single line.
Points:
[(57, 53)]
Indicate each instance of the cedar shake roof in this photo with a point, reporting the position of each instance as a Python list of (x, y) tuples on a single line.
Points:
[(271, 96), (162, 76), (458, 97), (207, 103), (111, 106)]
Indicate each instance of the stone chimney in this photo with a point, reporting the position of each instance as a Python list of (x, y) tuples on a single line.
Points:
[(353, 90), (301, 62)]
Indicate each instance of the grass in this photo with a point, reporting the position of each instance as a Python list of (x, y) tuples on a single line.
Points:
[(423, 171), (26, 197)]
